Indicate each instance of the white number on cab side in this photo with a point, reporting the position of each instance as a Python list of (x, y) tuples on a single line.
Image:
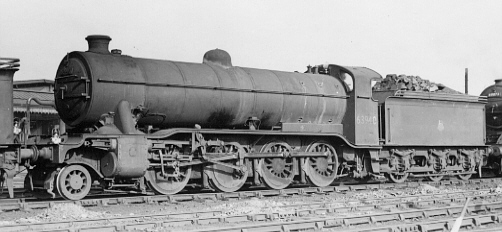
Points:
[(365, 119)]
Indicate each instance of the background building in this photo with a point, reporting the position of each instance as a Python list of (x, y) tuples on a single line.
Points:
[(43, 118)]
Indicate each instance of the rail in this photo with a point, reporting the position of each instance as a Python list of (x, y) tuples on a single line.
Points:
[(29, 204), (321, 215)]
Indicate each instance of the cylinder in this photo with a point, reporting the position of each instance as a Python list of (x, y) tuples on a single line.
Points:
[(6, 105)]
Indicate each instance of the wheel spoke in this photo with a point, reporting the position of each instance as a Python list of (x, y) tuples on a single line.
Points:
[(175, 180), (467, 167), (72, 182), (227, 179), (398, 177), (277, 173), (321, 171)]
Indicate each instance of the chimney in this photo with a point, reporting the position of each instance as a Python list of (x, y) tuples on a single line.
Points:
[(98, 43)]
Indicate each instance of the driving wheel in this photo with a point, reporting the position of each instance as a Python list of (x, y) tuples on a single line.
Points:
[(224, 178), (277, 172), (321, 171), (170, 177)]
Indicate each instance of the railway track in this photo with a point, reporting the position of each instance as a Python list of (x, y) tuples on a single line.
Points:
[(419, 213), (27, 204)]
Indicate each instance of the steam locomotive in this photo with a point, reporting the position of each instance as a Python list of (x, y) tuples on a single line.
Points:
[(167, 126)]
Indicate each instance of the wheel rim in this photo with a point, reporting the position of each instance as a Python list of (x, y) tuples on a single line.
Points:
[(468, 167), (434, 178), (277, 173), (398, 177), (223, 178), (175, 177), (436, 164), (464, 176), (321, 171), (167, 185), (74, 182)]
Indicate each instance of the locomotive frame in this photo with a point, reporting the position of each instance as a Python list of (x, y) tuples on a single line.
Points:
[(125, 141)]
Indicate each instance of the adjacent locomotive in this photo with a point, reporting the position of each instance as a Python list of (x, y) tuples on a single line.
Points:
[(494, 124), (166, 126), (494, 112)]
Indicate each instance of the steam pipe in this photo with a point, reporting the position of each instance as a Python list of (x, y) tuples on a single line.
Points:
[(27, 130)]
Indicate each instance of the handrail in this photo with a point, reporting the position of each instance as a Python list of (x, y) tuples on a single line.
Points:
[(222, 88)]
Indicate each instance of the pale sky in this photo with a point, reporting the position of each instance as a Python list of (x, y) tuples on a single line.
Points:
[(435, 40)]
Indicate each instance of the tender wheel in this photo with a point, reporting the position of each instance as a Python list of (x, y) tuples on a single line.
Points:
[(223, 178), (436, 162), (321, 171), (464, 176), (174, 177), (467, 165), (398, 177), (277, 173), (74, 182), (399, 166), (434, 178)]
